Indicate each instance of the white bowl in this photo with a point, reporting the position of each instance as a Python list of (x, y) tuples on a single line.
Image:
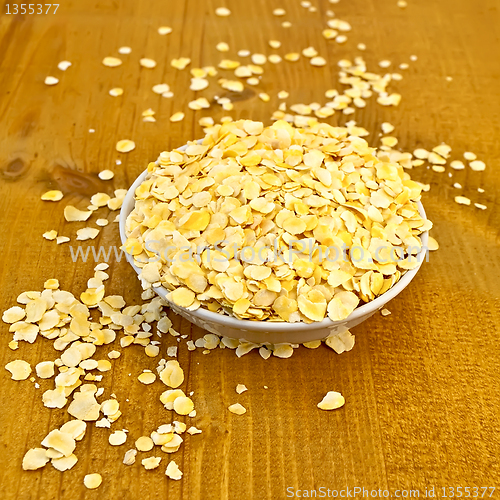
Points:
[(272, 332)]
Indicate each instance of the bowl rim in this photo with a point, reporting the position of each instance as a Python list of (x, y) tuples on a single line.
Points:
[(273, 326)]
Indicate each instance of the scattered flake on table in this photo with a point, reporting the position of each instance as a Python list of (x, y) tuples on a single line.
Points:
[(331, 401)]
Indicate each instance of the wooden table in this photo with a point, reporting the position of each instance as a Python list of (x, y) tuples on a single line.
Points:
[(422, 385)]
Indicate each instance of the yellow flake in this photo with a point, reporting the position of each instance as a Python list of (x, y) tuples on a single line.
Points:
[(282, 350), (151, 462), (229, 64), (164, 30), (318, 61), (144, 443), (52, 195), (258, 59), (84, 405), (117, 438), (60, 441), (200, 103), (477, 165), (329, 34), (172, 375), (222, 47), (198, 84), (103, 365), (421, 154), (64, 463), (147, 63), (237, 409), (13, 314), (177, 117), (116, 92), (457, 165), (19, 369), (340, 342), (432, 244), (462, 200), (51, 80), (183, 405), (309, 52), (436, 159), (180, 63), (100, 199), (45, 369), (389, 141), (294, 225), (72, 214), (314, 344), (35, 458), (152, 350), (331, 401), (438, 168), (132, 246), (111, 62), (389, 100), (161, 88), (387, 128), (106, 175), (125, 146), (64, 65), (222, 12), (233, 85), (87, 233), (129, 458), (146, 378), (312, 305), (52, 284), (50, 235), (342, 305), (92, 481), (206, 121), (173, 471)]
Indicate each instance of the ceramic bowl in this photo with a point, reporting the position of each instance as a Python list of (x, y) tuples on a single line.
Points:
[(273, 332)]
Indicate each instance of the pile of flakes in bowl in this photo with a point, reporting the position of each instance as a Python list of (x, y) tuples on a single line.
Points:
[(275, 223)]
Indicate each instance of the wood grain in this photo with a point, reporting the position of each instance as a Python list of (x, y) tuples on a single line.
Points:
[(422, 385)]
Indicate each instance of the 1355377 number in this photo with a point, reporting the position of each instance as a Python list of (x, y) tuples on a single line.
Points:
[(31, 8)]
